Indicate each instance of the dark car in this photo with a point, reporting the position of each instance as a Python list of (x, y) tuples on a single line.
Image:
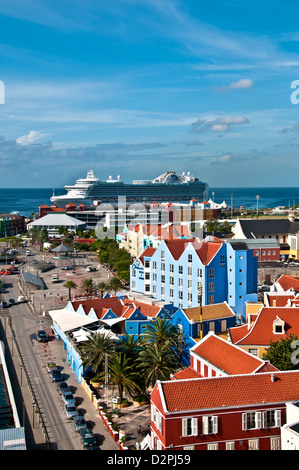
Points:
[(42, 336), (3, 304), (57, 376), (11, 301), (87, 438), (80, 423), (63, 387)]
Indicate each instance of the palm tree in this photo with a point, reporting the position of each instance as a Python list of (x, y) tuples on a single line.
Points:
[(95, 350), (115, 284), (87, 286), (155, 363), (130, 346), (163, 333), (122, 373), (70, 285), (103, 287)]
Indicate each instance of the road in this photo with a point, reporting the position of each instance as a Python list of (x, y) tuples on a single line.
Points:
[(35, 355)]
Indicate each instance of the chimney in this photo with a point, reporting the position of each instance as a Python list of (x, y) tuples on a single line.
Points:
[(272, 378)]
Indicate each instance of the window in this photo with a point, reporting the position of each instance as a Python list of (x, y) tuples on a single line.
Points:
[(180, 269), (180, 282), (134, 273), (230, 445), (146, 263), (222, 259), (210, 424), (211, 273), (154, 265), (270, 418), (162, 279), (211, 299), (181, 295), (211, 286), (147, 287), (189, 427), (157, 418), (254, 352), (171, 293), (162, 255), (199, 273), (261, 419), (171, 281), (147, 275), (253, 444), (189, 271), (162, 266), (212, 446), (171, 268), (190, 284), (249, 421), (189, 258), (275, 443), (189, 297)]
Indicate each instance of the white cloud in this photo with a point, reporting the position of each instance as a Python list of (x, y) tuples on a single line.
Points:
[(220, 124), (243, 84), (32, 137)]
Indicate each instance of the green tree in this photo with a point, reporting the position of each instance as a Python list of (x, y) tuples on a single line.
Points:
[(123, 374), (103, 287), (87, 286), (115, 284), (95, 350), (155, 363), (162, 332), (282, 353), (70, 285)]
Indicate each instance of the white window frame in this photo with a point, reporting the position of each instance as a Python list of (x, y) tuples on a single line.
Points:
[(192, 423), (210, 424)]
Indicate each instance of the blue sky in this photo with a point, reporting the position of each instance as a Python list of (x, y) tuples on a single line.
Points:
[(138, 87)]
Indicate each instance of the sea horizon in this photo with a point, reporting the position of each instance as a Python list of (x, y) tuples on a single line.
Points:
[(26, 201)]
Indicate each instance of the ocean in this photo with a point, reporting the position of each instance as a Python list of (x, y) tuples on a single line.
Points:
[(27, 200)]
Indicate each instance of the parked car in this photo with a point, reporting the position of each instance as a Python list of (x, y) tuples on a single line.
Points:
[(80, 423), (4, 304), (66, 267), (68, 397), (70, 411), (51, 366), (11, 301), (63, 387), (56, 375), (42, 336), (21, 299), (87, 438)]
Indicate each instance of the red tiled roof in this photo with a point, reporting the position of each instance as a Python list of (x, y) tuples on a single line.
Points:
[(261, 331), (187, 373), (205, 250), (278, 300), (287, 282), (145, 309), (227, 357), (236, 390)]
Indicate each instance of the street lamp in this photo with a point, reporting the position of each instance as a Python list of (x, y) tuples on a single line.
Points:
[(257, 206)]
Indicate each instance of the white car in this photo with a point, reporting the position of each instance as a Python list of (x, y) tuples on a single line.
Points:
[(70, 411)]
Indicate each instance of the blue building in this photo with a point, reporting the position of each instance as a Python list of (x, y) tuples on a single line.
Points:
[(185, 272), (197, 322), (116, 315)]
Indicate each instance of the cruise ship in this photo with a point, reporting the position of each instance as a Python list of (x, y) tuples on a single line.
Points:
[(168, 187)]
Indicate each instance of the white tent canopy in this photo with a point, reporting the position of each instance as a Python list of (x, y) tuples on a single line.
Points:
[(68, 321)]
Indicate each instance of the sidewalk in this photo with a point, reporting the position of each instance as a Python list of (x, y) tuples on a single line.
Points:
[(56, 353)]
